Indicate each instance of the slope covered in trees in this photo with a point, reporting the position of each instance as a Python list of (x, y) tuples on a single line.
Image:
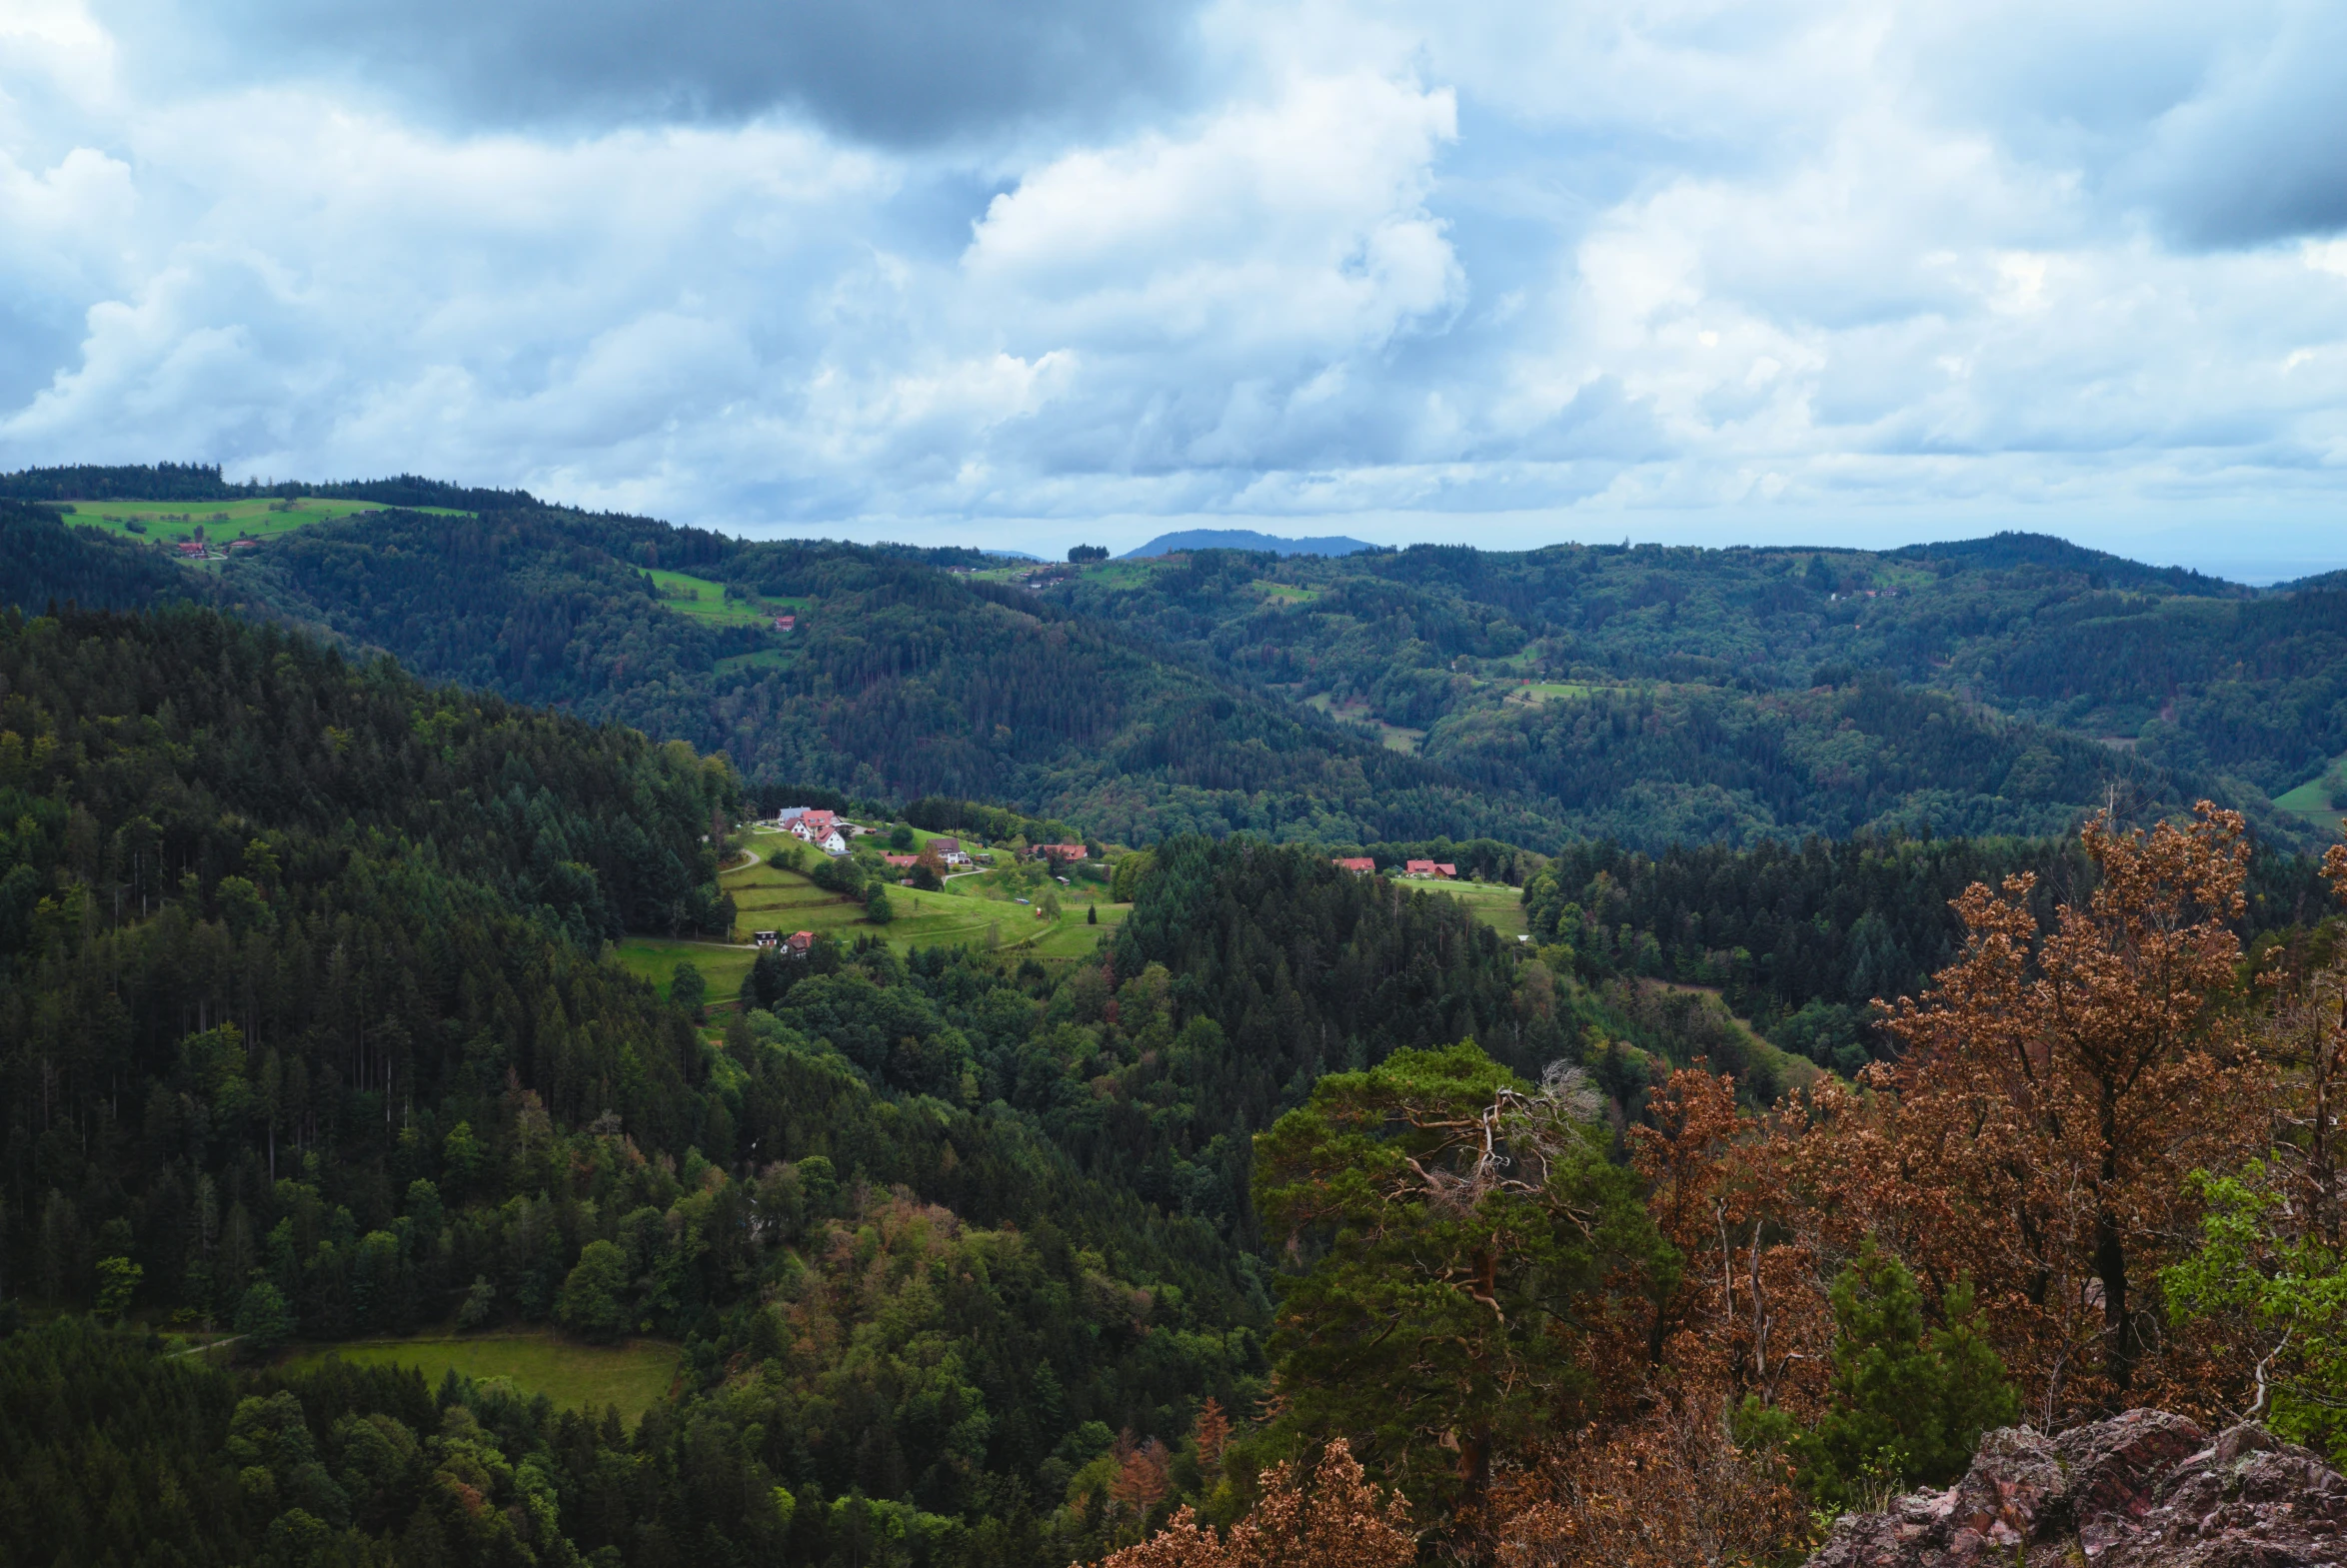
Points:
[(900, 681), (1995, 688), (307, 1033), (1527, 660)]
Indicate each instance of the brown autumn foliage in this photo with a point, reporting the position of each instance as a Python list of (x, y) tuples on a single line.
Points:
[(1666, 1491), (1143, 1475), (1335, 1521), (2055, 1088), (1748, 1314)]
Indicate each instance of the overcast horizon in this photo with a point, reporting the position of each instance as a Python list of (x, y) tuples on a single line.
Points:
[(1021, 274)]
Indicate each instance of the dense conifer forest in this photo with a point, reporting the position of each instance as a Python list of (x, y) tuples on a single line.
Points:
[(1886, 1055)]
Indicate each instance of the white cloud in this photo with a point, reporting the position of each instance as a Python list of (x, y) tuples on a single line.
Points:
[(1416, 269)]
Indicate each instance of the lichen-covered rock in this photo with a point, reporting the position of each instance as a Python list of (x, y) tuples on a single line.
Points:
[(2147, 1490)]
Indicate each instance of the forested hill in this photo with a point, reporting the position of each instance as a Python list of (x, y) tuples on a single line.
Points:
[(305, 1029), (1742, 672), (1998, 686), (900, 679)]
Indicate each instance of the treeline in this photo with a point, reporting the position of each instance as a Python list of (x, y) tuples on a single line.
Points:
[(903, 681), (305, 1033), (202, 482), (1802, 940), (2228, 692), (50, 562)]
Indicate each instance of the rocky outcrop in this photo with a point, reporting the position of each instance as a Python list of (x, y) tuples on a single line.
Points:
[(2148, 1490)]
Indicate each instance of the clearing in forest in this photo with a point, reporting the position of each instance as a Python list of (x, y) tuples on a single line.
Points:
[(632, 1375)]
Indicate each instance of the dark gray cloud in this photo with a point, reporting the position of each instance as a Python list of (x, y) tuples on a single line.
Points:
[(2258, 156), (893, 72)]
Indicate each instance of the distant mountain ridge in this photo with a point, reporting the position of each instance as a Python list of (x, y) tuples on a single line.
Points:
[(1247, 539)]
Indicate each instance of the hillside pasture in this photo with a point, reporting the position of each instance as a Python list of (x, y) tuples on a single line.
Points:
[(704, 600), (655, 959), (973, 911), (2311, 800), (171, 521), (1494, 903), (631, 1376)]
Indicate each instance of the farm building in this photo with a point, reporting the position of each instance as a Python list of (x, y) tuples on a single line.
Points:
[(1359, 864)]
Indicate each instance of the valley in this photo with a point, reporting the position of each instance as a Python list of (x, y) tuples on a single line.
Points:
[(381, 1004)]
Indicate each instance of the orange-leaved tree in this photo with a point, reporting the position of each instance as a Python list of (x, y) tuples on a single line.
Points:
[(1337, 1521), (2055, 1089)]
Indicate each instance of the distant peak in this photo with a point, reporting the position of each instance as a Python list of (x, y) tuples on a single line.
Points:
[(1245, 539)]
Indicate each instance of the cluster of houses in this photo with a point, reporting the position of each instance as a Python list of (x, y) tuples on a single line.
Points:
[(827, 830), (948, 852), (795, 946), (1363, 866)]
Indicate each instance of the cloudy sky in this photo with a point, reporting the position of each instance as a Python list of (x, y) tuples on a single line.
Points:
[(1025, 273)]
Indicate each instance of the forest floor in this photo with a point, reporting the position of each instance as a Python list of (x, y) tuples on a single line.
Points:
[(631, 1375)]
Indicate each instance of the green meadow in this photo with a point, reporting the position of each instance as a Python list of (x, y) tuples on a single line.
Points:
[(1285, 593), (1394, 738), (2312, 799), (632, 1375), (974, 910), (257, 517), (704, 600), (1494, 903), (655, 959)]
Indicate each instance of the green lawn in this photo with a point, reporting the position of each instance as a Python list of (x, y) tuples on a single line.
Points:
[(656, 958), (221, 520), (1394, 738), (704, 600), (1546, 690), (764, 658), (973, 912), (2312, 799), (1285, 593), (632, 1375), (1494, 903)]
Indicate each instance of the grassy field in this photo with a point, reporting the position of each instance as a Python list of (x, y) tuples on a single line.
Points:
[(764, 658), (656, 957), (2312, 799), (1548, 690), (968, 911), (1494, 903), (632, 1375), (1393, 736), (1285, 593), (704, 600), (221, 520), (1796, 1072)]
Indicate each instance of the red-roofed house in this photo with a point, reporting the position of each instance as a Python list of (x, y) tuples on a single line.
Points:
[(813, 824), (784, 622), (1359, 864), (902, 862), (1059, 852), (188, 546), (1441, 870)]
